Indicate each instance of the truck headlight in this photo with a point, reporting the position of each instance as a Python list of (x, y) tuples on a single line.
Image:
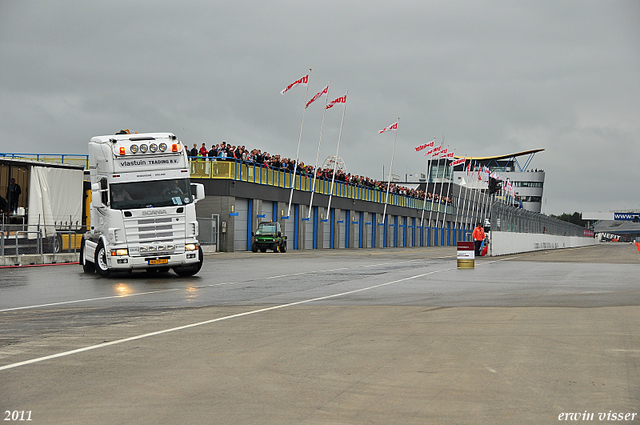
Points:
[(190, 247), (119, 252)]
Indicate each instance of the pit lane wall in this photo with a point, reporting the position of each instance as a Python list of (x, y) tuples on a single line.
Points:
[(504, 243)]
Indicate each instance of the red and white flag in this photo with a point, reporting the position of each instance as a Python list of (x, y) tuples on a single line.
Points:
[(447, 155), (392, 127), (443, 152), (301, 82), (317, 96), (426, 145), (432, 152), (457, 162), (339, 100), (469, 169)]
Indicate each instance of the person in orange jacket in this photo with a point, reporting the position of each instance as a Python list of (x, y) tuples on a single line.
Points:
[(478, 237)]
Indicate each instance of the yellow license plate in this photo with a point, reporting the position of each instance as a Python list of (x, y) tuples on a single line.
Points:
[(160, 261)]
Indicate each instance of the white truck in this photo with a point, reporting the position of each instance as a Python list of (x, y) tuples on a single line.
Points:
[(143, 213)]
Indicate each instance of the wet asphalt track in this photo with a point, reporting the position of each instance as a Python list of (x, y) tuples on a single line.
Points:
[(362, 336)]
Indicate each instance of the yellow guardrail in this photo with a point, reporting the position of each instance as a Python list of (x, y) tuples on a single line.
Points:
[(234, 170)]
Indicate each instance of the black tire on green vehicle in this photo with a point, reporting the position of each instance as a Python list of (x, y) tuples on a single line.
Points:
[(283, 247)]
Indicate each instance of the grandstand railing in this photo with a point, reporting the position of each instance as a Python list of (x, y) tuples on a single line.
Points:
[(209, 168), (70, 159)]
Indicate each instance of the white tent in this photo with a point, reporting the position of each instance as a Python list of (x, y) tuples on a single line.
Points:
[(55, 196)]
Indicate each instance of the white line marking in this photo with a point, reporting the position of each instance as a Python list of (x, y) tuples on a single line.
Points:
[(175, 289), (88, 299), (206, 322)]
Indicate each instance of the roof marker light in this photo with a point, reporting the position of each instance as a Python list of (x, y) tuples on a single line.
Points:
[(174, 147), (122, 150)]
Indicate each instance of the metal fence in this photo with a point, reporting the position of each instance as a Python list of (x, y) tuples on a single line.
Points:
[(16, 240), (208, 231), (506, 218)]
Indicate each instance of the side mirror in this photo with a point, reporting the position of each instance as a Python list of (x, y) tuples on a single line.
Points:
[(96, 195), (199, 191)]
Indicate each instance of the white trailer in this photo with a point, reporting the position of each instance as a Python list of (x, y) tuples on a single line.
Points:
[(143, 212)]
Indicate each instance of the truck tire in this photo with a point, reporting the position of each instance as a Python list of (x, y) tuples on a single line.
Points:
[(87, 266), (101, 260), (191, 269), (254, 247), (283, 247)]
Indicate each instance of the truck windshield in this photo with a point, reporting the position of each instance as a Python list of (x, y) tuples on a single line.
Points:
[(158, 193)]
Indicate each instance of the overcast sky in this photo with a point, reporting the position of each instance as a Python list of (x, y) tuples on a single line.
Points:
[(491, 78)]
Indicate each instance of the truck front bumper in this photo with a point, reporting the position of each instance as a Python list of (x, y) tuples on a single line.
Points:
[(125, 262)]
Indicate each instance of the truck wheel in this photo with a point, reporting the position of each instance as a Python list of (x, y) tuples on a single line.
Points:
[(57, 244), (87, 266), (191, 269), (101, 260), (254, 247), (283, 247)]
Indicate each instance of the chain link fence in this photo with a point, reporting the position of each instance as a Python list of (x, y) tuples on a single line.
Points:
[(506, 218)]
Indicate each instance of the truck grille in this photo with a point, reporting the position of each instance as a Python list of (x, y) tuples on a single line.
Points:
[(164, 229)]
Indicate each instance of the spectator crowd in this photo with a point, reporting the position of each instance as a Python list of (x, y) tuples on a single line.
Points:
[(226, 152)]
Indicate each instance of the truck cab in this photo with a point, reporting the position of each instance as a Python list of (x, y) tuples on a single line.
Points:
[(142, 206)]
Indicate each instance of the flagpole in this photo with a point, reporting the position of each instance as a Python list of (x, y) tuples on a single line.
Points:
[(293, 179), (467, 202), (386, 198), (335, 162), (426, 186), (315, 169), (441, 187), (446, 205), (434, 185), (475, 203), (458, 211)]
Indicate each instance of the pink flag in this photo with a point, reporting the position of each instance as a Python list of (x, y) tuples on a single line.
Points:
[(341, 99), (393, 127), (426, 145), (301, 82), (318, 95)]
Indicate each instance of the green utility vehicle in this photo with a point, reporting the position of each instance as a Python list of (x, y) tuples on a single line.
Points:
[(269, 235)]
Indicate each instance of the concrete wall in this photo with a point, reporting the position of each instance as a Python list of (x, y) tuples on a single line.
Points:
[(503, 243)]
